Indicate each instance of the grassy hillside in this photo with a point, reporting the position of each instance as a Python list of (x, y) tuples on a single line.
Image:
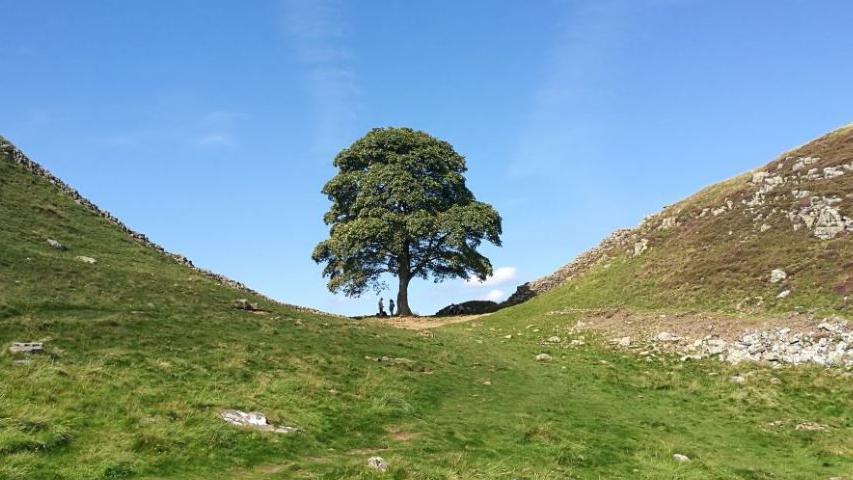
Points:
[(716, 250), (143, 352)]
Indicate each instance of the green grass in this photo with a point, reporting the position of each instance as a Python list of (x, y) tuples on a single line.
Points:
[(718, 262), (142, 354)]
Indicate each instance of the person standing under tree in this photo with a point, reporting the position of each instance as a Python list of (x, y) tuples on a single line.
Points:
[(381, 307), (391, 307)]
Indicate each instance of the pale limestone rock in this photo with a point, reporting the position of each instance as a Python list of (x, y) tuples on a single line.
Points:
[(777, 275), (377, 463), (641, 247)]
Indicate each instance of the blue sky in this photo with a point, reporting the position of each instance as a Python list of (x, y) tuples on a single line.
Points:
[(211, 126)]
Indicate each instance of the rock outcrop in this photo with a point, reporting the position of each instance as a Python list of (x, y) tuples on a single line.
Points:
[(806, 191), (473, 307), (830, 344)]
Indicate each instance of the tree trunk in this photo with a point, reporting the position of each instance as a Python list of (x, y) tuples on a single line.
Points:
[(403, 309)]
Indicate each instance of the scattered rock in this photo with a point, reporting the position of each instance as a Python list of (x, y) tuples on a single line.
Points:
[(85, 259), (758, 177), (544, 357), (641, 247), (680, 458), (254, 420), (554, 339), (783, 294), (831, 345), (666, 337), (55, 244), (667, 223), (377, 463), (739, 379), (777, 275), (811, 427), (27, 347), (623, 342), (244, 304)]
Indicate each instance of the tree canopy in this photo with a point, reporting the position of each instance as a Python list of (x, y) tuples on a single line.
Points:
[(400, 206)]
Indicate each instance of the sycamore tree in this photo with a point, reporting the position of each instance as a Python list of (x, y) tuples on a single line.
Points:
[(400, 206)]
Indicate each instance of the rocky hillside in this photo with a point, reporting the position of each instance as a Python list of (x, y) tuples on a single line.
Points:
[(779, 238)]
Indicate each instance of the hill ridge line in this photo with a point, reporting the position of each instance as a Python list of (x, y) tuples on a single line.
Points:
[(633, 242), (18, 157)]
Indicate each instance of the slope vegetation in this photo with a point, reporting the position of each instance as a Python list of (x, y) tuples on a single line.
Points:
[(716, 250), (144, 352)]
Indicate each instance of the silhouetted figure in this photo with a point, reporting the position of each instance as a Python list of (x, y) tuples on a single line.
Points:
[(391, 307), (382, 308)]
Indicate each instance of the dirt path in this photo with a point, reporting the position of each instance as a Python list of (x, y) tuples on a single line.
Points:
[(423, 323)]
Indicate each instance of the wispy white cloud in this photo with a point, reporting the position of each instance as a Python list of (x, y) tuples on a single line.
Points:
[(494, 295), (500, 276), (216, 139), (206, 129), (217, 128), (221, 118), (316, 32), (572, 75)]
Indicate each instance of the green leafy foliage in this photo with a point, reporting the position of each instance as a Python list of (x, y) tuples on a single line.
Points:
[(400, 206)]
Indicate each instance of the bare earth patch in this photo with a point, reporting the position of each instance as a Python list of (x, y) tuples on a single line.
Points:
[(422, 323), (686, 325)]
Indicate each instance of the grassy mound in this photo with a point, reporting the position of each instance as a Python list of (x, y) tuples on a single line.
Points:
[(715, 250), (143, 353)]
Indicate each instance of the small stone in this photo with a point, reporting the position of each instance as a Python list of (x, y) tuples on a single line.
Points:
[(667, 337), (759, 177), (244, 304), (641, 247), (27, 347), (85, 259), (777, 275), (811, 427), (681, 458), (554, 339), (739, 379), (544, 357), (255, 420), (55, 244), (508, 337), (783, 294), (377, 463)]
